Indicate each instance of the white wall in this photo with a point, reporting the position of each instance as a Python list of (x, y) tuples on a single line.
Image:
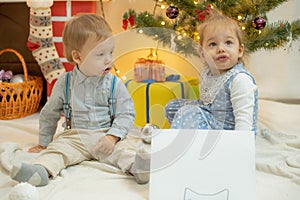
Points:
[(130, 45), (277, 72)]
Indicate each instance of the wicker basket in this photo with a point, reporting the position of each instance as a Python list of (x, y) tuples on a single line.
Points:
[(23, 98)]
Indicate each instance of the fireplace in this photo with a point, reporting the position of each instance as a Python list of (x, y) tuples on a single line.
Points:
[(14, 20), (14, 32)]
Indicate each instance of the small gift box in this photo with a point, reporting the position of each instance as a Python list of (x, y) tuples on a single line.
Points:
[(142, 70), (149, 70), (159, 71)]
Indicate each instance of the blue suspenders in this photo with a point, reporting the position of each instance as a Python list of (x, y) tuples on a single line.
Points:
[(112, 100), (67, 107)]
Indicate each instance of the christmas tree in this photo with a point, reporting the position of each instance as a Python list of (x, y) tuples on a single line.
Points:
[(178, 24)]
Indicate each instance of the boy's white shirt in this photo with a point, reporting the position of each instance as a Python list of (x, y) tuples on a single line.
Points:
[(242, 98)]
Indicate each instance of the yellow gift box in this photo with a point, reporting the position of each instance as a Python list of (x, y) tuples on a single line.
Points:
[(150, 99)]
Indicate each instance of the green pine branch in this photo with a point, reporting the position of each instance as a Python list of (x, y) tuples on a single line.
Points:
[(274, 35)]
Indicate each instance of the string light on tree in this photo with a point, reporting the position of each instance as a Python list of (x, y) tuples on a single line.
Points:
[(196, 2), (189, 14)]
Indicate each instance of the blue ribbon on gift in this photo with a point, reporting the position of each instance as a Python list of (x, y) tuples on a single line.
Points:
[(127, 82), (147, 103), (175, 78)]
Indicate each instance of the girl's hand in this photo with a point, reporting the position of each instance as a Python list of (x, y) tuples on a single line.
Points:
[(36, 149)]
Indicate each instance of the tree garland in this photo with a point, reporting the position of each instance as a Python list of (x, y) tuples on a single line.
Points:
[(250, 15)]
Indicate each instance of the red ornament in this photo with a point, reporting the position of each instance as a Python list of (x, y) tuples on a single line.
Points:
[(172, 12), (125, 24), (202, 13), (259, 23), (207, 8), (131, 19), (128, 17)]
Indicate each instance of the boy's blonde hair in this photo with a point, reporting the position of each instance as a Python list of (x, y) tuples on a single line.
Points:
[(80, 28), (217, 17)]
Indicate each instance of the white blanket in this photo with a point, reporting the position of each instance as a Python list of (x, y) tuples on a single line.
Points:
[(89, 179), (278, 153), (277, 161), (278, 141), (277, 146)]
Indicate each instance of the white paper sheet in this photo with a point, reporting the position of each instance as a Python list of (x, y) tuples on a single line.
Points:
[(199, 164)]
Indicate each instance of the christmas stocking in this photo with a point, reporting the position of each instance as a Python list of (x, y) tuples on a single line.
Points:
[(40, 40)]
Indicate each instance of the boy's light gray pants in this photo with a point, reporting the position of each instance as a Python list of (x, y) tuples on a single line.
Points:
[(74, 146)]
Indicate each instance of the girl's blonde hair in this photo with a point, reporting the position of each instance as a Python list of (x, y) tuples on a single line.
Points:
[(80, 28), (217, 17)]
